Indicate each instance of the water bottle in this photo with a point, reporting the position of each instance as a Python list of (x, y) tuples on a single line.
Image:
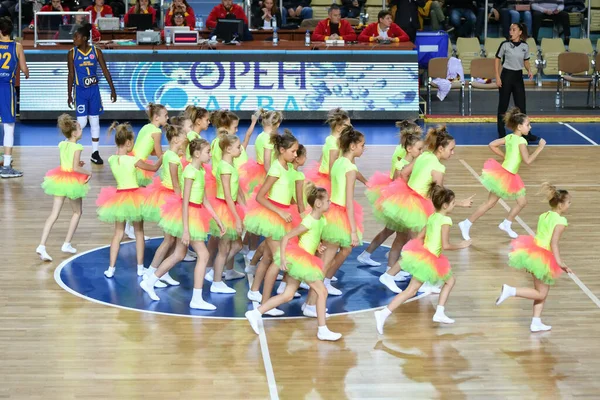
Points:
[(274, 23), (168, 40), (307, 39), (557, 100), (197, 23), (122, 22), (275, 37), (200, 23)]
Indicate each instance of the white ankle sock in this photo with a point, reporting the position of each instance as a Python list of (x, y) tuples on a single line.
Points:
[(152, 279), (197, 295), (7, 160), (386, 312), (467, 223), (327, 281), (323, 329), (536, 321), (440, 309), (507, 223)]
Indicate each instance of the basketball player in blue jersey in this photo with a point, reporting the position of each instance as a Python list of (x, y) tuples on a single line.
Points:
[(83, 61), (11, 57)]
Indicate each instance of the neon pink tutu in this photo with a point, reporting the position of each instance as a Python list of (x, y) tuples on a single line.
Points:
[(501, 182), (538, 261), (319, 179)]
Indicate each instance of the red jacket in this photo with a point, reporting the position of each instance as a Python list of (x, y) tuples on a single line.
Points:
[(48, 7), (106, 10), (395, 33), (219, 12), (150, 10), (190, 18), (323, 31)]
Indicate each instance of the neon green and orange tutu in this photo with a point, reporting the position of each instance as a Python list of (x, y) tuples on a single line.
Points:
[(338, 229), (536, 260), (501, 182), (172, 219), (423, 265), (320, 179), (227, 218), (121, 205), (157, 197), (252, 174), (302, 265), (378, 182), (261, 221), (210, 182), (70, 184), (403, 208)]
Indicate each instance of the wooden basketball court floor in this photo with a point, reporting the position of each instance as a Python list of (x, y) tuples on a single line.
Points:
[(54, 345)]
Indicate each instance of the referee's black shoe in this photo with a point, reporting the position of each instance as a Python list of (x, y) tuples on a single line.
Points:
[(532, 139), (96, 159)]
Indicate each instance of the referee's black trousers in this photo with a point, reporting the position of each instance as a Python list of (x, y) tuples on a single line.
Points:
[(512, 83)]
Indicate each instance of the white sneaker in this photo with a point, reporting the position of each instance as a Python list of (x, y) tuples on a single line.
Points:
[(333, 291), (304, 285), (329, 335), (508, 230), (168, 279), (365, 259), (202, 305), (334, 279), (149, 290), (401, 276), (311, 312), (275, 312), (429, 288), (158, 283), (232, 274), (504, 294), (464, 229), (250, 269), (188, 257), (109, 273), (279, 277), (67, 248), (254, 318), (389, 282), (129, 231), (254, 296), (221, 287), (539, 327), (442, 318), (41, 250), (141, 270), (210, 275), (379, 321)]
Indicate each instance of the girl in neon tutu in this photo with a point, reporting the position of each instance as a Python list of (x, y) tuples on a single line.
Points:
[(411, 144), (344, 228), (161, 191), (406, 201), (147, 143), (296, 256), (318, 173), (229, 206), (540, 256), (422, 257), (125, 202), (69, 181), (200, 119), (502, 181), (188, 218), (271, 214)]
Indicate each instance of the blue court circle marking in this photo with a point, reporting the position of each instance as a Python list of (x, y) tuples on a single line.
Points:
[(82, 275)]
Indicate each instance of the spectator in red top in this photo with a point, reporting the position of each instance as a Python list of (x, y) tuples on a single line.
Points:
[(220, 11), (334, 27), (52, 20), (190, 17), (99, 10), (383, 30), (141, 7)]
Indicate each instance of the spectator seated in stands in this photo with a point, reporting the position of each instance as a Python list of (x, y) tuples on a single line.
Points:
[(265, 14), (177, 19), (190, 17), (511, 13), (492, 14), (351, 8), (141, 7), (383, 30), (433, 10), (407, 16), (298, 9), (52, 22), (462, 9), (550, 9), (225, 10), (99, 10), (334, 27)]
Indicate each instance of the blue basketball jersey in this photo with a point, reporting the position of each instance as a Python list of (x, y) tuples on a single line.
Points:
[(86, 66), (8, 61)]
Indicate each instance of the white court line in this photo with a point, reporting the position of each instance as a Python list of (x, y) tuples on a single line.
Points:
[(579, 133), (575, 279), (559, 185), (264, 348)]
